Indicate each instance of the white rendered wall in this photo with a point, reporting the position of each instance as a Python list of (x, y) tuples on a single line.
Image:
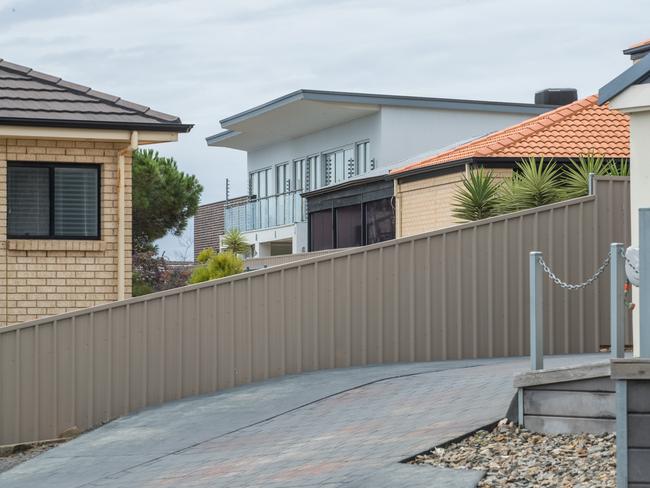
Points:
[(408, 132), (636, 102)]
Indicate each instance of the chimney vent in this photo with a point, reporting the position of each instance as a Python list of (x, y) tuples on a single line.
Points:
[(556, 96)]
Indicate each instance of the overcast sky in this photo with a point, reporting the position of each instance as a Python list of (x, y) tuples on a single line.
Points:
[(205, 60)]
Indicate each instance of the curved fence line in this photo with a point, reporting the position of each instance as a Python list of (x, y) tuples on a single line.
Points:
[(454, 293)]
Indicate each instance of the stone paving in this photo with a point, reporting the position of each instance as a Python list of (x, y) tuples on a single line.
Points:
[(348, 427)]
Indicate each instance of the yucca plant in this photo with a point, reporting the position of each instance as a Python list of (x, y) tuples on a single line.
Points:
[(576, 177), (477, 197), (621, 168), (235, 242), (534, 183)]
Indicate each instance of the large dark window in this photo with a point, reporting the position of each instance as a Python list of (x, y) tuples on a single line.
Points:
[(53, 201), (348, 226), (380, 221), (320, 230), (352, 225)]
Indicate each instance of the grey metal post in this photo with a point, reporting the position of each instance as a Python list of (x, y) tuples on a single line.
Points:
[(617, 308), (644, 285), (590, 183), (536, 313), (621, 434)]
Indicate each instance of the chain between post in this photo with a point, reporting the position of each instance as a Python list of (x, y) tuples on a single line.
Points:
[(575, 286)]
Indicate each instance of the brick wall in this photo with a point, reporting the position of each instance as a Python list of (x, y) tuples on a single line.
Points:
[(46, 277), (426, 204)]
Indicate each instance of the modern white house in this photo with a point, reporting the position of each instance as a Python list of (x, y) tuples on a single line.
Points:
[(310, 139)]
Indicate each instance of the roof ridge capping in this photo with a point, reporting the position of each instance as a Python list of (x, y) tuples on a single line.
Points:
[(88, 91)]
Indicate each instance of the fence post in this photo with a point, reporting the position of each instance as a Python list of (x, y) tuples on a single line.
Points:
[(590, 183), (644, 285), (536, 312), (617, 308)]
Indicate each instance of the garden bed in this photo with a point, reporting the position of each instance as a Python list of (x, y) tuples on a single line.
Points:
[(516, 457)]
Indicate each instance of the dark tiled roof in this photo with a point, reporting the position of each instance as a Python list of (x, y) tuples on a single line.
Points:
[(28, 97)]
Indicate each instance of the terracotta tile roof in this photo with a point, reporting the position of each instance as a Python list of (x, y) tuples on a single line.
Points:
[(640, 44), (568, 131)]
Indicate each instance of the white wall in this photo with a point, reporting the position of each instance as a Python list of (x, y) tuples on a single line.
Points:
[(636, 102), (408, 132)]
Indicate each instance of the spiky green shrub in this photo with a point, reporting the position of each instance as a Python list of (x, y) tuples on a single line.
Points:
[(235, 242), (477, 196), (533, 183), (621, 168), (213, 265), (576, 177)]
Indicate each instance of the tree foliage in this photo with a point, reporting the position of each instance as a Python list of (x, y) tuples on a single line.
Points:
[(477, 198), (213, 265), (153, 273), (164, 198), (235, 242)]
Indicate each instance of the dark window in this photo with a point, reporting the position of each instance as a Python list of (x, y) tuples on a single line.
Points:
[(53, 201), (320, 230), (380, 221), (348, 226)]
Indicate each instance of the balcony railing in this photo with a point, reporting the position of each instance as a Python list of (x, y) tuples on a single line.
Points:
[(265, 212)]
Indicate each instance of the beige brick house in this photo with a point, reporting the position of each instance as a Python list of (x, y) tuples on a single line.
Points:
[(425, 189), (65, 192)]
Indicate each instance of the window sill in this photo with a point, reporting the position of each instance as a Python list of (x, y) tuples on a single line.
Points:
[(55, 245)]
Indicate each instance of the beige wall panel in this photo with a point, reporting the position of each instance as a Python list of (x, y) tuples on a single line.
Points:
[(454, 293)]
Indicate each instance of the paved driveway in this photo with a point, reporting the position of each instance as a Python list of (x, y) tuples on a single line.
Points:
[(347, 427)]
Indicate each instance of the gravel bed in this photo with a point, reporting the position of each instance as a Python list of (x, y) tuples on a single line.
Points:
[(9, 461), (515, 457)]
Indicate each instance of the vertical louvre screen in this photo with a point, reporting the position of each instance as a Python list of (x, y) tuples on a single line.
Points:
[(28, 201), (75, 202)]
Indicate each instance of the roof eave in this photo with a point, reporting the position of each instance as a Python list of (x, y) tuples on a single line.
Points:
[(85, 124), (380, 99), (627, 78), (221, 136)]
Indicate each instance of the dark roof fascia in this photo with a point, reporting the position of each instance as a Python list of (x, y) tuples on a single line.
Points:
[(637, 49), (634, 74), (496, 162), (347, 184), (394, 100), (84, 124)]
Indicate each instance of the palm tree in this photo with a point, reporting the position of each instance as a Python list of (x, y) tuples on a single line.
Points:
[(235, 242)]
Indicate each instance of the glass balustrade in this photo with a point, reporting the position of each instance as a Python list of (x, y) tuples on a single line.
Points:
[(265, 212)]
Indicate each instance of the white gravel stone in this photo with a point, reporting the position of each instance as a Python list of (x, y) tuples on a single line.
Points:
[(518, 458)]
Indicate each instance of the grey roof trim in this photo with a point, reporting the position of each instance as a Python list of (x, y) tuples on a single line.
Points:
[(159, 120), (87, 124), (221, 136), (631, 76), (394, 100), (347, 184)]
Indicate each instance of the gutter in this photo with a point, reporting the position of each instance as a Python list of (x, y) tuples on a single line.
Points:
[(121, 214)]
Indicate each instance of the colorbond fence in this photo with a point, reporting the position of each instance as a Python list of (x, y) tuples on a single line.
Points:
[(455, 293)]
